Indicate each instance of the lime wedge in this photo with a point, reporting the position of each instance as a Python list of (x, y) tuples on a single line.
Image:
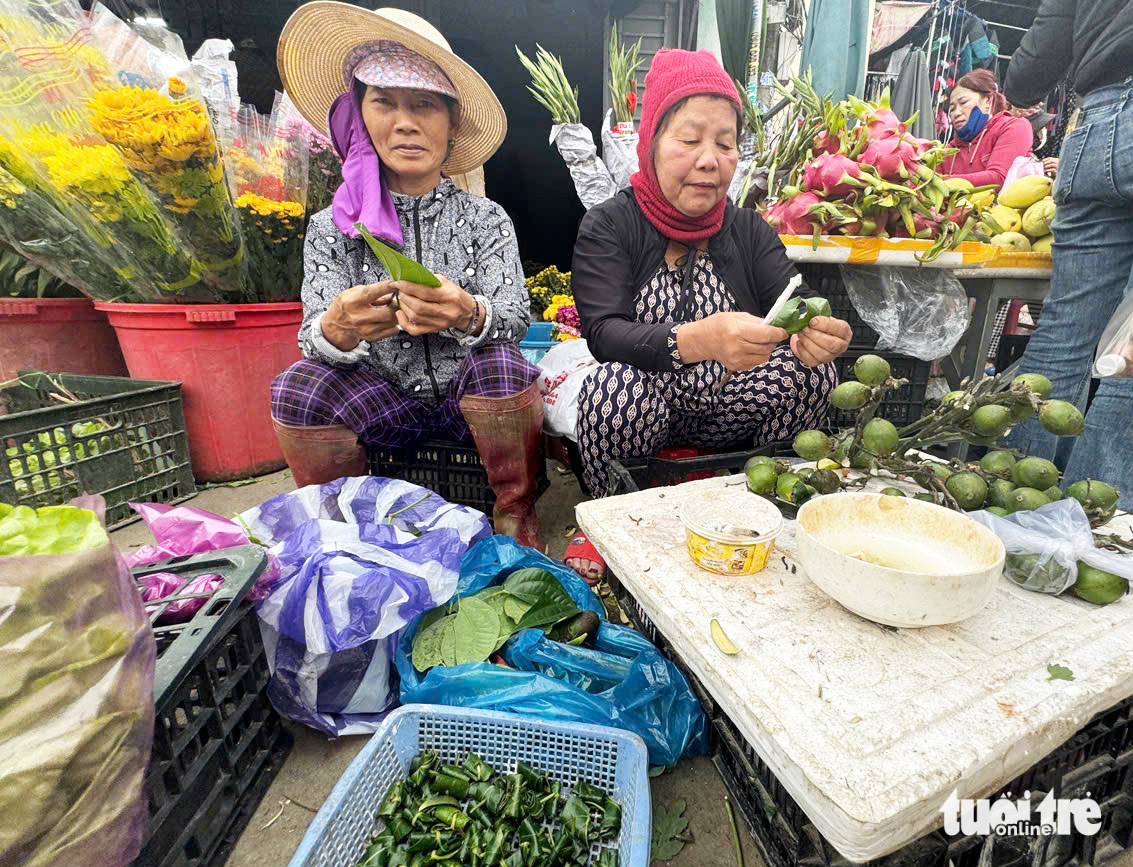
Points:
[(722, 641)]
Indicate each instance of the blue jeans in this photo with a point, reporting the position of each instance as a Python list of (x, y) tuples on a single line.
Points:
[(1092, 273)]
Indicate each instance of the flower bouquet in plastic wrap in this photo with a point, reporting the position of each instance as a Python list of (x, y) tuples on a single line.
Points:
[(161, 127), (98, 121), (324, 168), (33, 227), (549, 85), (267, 172)]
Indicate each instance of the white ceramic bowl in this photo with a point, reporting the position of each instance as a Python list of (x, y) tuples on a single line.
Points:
[(939, 566)]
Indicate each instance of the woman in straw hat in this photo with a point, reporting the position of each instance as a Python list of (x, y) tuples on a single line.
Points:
[(672, 282), (388, 363)]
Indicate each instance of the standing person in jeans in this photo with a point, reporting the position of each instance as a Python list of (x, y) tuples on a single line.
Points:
[(1093, 228)]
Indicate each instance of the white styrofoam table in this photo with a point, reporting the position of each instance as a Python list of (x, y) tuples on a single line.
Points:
[(903, 717)]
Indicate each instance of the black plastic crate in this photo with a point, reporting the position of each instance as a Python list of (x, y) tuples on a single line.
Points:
[(218, 742), (636, 475), (1098, 759), (452, 470), (902, 405), (124, 439), (825, 281)]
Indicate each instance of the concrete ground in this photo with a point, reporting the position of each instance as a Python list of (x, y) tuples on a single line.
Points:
[(316, 763)]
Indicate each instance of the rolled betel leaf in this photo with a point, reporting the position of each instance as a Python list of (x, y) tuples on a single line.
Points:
[(399, 267)]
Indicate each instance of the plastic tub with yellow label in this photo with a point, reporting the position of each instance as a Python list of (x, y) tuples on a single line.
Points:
[(730, 532)]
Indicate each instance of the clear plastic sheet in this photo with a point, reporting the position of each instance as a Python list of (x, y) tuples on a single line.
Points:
[(922, 312), (76, 691), (1114, 356), (1044, 546)]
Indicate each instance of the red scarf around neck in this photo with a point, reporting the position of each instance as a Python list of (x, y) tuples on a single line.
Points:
[(676, 75)]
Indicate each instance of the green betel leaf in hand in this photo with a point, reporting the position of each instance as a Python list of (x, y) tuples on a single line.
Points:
[(399, 267)]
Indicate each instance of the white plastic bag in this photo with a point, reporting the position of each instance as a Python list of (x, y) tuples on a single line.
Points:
[(1115, 350), (217, 77), (565, 368), (619, 150), (922, 312), (1023, 167), (1044, 546), (360, 558), (592, 180)]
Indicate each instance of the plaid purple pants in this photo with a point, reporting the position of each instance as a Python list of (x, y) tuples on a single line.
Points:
[(311, 393)]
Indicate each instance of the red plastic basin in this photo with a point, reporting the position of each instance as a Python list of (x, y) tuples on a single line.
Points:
[(57, 335), (225, 356)]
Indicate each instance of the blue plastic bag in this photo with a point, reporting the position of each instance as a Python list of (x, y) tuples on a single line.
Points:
[(622, 682), (351, 580)]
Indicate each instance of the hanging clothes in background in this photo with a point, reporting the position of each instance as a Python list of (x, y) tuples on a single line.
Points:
[(977, 52), (912, 93), (836, 46), (892, 19)]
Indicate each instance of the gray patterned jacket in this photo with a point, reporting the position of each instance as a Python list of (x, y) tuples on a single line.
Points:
[(468, 239)]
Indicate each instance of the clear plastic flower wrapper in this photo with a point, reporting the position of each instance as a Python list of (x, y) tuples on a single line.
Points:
[(1115, 350), (1045, 546), (34, 227), (267, 162), (76, 691), (49, 148), (324, 168), (158, 122), (922, 312)]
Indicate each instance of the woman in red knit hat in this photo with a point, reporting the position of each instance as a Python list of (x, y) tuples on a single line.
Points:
[(671, 281)]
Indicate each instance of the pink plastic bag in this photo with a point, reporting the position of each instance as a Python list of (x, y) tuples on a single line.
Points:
[(1023, 167), (162, 585), (183, 530)]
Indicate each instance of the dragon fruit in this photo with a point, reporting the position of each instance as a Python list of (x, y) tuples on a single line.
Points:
[(824, 142), (893, 157), (832, 175), (791, 216)]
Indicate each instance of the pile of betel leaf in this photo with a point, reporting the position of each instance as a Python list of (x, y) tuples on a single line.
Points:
[(470, 816), (474, 627)]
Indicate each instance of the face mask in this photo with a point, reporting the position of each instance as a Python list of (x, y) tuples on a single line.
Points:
[(977, 120)]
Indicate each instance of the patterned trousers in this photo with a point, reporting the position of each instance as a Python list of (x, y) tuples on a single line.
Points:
[(625, 412), (311, 393)]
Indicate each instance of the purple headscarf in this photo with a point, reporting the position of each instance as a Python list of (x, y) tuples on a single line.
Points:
[(363, 196)]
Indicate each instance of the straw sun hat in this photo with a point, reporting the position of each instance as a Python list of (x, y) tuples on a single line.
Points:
[(320, 35)]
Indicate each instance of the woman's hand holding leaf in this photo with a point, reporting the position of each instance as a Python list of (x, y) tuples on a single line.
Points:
[(360, 313), (432, 309), (823, 340)]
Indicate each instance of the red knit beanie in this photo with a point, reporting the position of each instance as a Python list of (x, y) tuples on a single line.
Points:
[(674, 75)]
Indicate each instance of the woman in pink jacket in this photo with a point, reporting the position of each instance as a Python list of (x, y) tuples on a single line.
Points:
[(989, 139)]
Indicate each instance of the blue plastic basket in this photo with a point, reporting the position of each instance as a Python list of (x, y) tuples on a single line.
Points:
[(537, 341), (614, 760)]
